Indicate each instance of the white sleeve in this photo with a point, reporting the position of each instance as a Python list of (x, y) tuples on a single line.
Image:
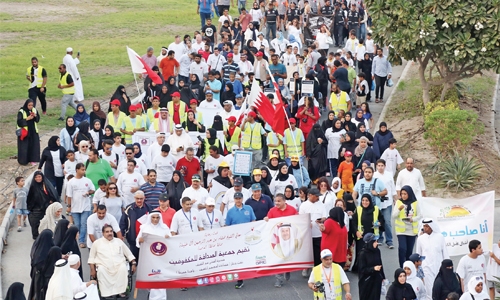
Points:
[(174, 226)]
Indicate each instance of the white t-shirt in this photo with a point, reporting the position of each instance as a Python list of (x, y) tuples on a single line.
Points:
[(110, 159), (200, 195), (114, 206), (211, 104), (212, 220), (140, 167), (413, 179), (329, 285), (179, 49), (164, 166), (120, 150), (295, 203), (212, 163), (392, 159), (315, 210), (186, 222), (70, 167), (94, 226), (75, 189), (388, 180), (98, 195), (333, 143), (128, 181), (56, 161), (228, 198), (469, 267)]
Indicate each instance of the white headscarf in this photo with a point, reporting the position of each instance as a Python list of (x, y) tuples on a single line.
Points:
[(288, 246), (58, 288), (50, 216), (473, 282), (416, 283), (340, 185), (160, 229)]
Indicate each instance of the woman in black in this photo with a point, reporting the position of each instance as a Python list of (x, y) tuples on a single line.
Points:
[(191, 124), (228, 94), (361, 131), (164, 96), (28, 143), (348, 145), (266, 175), (121, 95), (329, 122), (316, 152), (223, 177), (83, 134), (54, 167), (53, 256), (196, 87), (257, 178), (109, 133), (15, 292), (446, 281), (60, 231), (399, 289), (365, 66), (364, 221), (97, 113), (370, 269), (348, 124), (175, 188), (294, 103), (323, 78), (70, 244), (186, 93), (38, 255), (217, 124), (41, 194), (171, 88)]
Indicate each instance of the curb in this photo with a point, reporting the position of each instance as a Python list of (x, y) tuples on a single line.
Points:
[(493, 128), (4, 231)]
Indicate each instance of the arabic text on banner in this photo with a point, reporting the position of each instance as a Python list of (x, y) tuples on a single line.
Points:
[(462, 220), (226, 254)]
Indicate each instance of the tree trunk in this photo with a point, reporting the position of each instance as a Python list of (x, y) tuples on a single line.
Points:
[(425, 85), (446, 87)]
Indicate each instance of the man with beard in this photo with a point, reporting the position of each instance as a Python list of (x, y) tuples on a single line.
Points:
[(413, 177)]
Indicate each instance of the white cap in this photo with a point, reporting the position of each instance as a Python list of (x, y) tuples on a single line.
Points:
[(69, 49), (209, 201), (80, 296), (228, 102), (73, 259), (326, 253)]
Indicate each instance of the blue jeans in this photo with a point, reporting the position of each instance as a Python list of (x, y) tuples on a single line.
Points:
[(362, 32), (334, 165), (405, 247), (241, 4), (81, 222), (204, 17), (386, 212), (270, 29)]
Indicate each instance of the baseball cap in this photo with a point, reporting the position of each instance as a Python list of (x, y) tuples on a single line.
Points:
[(210, 202), (178, 127), (193, 101), (314, 191), (325, 253), (256, 187), (238, 195), (293, 121), (231, 119), (238, 181), (165, 148), (257, 172), (252, 114), (115, 102), (132, 108), (259, 54), (239, 95), (209, 92), (348, 153), (273, 156), (163, 197), (224, 164), (175, 94), (195, 177), (229, 102), (416, 257), (230, 55), (369, 237), (235, 147)]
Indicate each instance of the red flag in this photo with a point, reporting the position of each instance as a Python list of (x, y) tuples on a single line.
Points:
[(139, 66), (279, 123), (262, 103)]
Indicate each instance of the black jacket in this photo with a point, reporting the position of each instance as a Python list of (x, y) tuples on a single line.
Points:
[(48, 160)]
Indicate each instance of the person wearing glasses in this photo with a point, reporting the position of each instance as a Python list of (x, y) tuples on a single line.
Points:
[(140, 167)]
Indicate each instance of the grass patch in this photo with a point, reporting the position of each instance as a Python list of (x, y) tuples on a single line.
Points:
[(8, 151), (5, 16), (478, 88), (407, 100)]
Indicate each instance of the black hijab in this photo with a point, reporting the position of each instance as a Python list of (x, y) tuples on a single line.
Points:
[(351, 144), (186, 93), (124, 104), (411, 198), (213, 136), (337, 214), (41, 193), (109, 137), (289, 187), (175, 189), (52, 144), (70, 129), (172, 88), (349, 202), (83, 133), (228, 95), (164, 97), (53, 256), (280, 176), (41, 247), (366, 134), (382, 133), (15, 292), (69, 242), (271, 167), (370, 208), (25, 106), (349, 125), (217, 125), (268, 178), (329, 123), (60, 231), (225, 181), (400, 291), (448, 275), (312, 139), (30, 123), (100, 131), (335, 129)]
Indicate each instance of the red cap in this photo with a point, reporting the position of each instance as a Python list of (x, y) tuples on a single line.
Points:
[(231, 119), (175, 94), (132, 108), (229, 55), (115, 102), (193, 101), (252, 114), (348, 153), (259, 54), (293, 121), (156, 97)]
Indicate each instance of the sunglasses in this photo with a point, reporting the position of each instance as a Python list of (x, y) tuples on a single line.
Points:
[(129, 153), (112, 188)]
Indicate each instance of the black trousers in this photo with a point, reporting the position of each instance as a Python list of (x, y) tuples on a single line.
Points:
[(221, 8), (35, 92), (317, 250), (379, 89), (34, 218)]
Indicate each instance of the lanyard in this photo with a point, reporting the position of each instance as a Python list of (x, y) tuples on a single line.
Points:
[(328, 278), (189, 219), (211, 221)]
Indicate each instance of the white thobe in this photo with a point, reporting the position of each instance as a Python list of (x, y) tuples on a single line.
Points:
[(76, 282), (110, 258), (175, 141), (71, 63), (433, 248)]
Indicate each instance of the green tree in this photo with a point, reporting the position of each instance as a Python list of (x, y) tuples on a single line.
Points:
[(456, 38)]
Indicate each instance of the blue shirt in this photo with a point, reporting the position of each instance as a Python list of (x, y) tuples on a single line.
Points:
[(240, 215), (205, 6), (279, 68), (363, 187), (381, 66), (215, 85), (237, 87), (152, 193), (261, 207)]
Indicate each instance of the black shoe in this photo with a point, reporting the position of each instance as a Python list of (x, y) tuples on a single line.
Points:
[(60, 119), (239, 285)]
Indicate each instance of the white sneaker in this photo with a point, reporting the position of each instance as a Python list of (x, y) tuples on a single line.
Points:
[(305, 273), (19, 229)]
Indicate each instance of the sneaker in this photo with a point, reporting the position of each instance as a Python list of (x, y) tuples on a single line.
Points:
[(390, 246), (287, 276), (19, 229), (305, 273), (60, 119), (278, 283), (239, 285), (184, 289), (25, 224)]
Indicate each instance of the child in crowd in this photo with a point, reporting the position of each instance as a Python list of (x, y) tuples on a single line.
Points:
[(392, 157), (19, 202), (370, 48), (361, 88), (345, 172), (416, 259), (360, 51), (118, 147), (70, 164), (99, 194)]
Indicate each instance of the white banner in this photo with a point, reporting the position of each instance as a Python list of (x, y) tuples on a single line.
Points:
[(463, 220), (226, 254), (217, 191), (208, 115)]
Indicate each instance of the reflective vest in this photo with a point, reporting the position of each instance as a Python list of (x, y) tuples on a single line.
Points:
[(234, 138), (182, 110), (337, 286), (39, 78), (293, 146), (252, 138), (111, 120), (399, 224), (129, 126), (206, 147), (151, 114), (274, 138), (156, 124), (359, 211), (25, 115), (337, 103), (63, 81)]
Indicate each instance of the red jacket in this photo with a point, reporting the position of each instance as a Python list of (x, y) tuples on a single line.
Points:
[(334, 239)]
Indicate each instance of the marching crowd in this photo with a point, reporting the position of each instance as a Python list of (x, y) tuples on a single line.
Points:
[(114, 192)]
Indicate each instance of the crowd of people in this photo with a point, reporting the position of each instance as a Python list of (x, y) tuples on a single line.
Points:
[(341, 171)]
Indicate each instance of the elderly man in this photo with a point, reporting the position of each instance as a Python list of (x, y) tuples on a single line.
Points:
[(129, 223), (155, 148), (179, 142), (227, 112), (108, 260), (261, 204), (71, 63), (76, 281), (163, 123), (149, 59), (413, 177), (210, 217), (95, 223), (196, 193), (228, 199)]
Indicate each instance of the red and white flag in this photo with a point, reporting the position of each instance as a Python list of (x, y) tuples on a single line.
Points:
[(139, 66), (260, 101), (280, 117)]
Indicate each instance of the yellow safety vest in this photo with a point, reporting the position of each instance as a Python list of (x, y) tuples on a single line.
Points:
[(234, 139), (39, 78), (292, 148), (337, 286), (63, 81), (156, 124), (111, 120), (151, 114), (400, 226), (274, 139), (182, 110), (338, 103), (252, 137), (359, 210), (25, 115), (206, 149), (130, 127)]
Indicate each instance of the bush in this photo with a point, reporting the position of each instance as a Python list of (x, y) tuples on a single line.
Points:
[(459, 170), (438, 105), (451, 129)]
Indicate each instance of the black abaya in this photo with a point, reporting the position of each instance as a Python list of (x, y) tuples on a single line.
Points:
[(38, 255), (370, 281), (28, 149), (70, 244), (316, 153), (15, 292), (40, 196), (53, 256), (60, 231)]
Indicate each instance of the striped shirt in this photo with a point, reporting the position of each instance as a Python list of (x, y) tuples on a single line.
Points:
[(152, 193)]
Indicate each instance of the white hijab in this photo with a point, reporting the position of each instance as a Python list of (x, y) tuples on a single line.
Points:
[(473, 282), (58, 288), (416, 283), (336, 190)]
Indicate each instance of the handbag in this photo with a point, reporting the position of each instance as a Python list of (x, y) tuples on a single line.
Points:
[(329, 40), (18, 132), (389, 82), (372, 88)]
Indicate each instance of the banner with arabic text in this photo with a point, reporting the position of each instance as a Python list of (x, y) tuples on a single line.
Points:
[(463, 220), (226, 254)]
